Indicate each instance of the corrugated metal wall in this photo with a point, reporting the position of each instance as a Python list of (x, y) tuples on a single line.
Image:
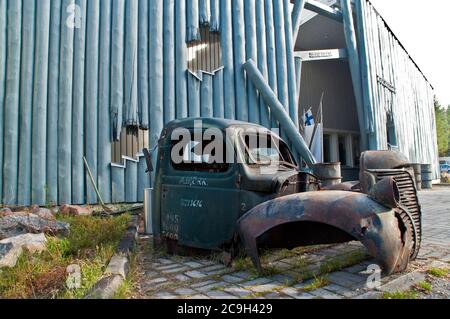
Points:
[(73, 73), (393, 84)]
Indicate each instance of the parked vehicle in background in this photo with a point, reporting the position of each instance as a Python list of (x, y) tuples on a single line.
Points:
[(445, 169)]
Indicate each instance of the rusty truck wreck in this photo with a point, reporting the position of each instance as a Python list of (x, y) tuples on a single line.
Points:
[(207, 204)]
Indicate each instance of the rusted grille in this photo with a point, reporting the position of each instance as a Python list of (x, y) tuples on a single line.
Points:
[(408, 196)]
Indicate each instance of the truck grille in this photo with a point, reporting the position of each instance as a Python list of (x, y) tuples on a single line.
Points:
[(408, 198)]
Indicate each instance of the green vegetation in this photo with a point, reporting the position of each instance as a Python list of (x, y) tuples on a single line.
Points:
[(438, 272), (408, 294), (318, 282), (443, 128), (425, 285), (90, 245)]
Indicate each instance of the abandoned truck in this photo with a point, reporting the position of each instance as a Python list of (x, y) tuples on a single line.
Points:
[(255, 196)]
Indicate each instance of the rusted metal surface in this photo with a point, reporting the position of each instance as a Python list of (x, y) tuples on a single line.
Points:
[(324, 218), (329, 173)]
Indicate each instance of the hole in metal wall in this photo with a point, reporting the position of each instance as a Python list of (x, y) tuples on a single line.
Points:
[(206, 54)]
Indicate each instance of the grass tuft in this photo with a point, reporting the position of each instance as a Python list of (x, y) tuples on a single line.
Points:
[(90, 244), (408, 294), (317, 283), (438, 272), (425, 285)]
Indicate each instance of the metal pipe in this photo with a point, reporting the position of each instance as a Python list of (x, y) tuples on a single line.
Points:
[(26, 102), (297, 17), (131, 69), (271, 52), (206, 95), (279, 112), (262, 58), (239, 59), (3, 46), (204, 13), (251, 52), (117, 60), (281, 62), (156, 61), (292, 87), (226, 25), (142, 85), (214, 24), (104, 124), (78, 93), (192, 21), (169, 61), (91, 100), (52, 103), (65, 108), (218, 98), (181, 59), (39, 142), (194, 95), (324, 10), (355, 69)]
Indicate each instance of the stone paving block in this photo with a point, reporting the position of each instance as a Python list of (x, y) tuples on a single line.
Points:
[(156, 281), (265, 287), (214, 286), (296, 294), (164, 261), (231, 279), (193, 264), (182, 278), (403, 283), (342, 291), (324, 294), (185, 292), (282, 278), (255, 282), (198, 297), (166, 267), (164, 295), (203, 283), (273, 295), (238, 291), (206, 262), (213, 268), (175, 270), (150, 274), (345, 279), (370, 295), (356, 269), (195, 274), (220, 295), (243, 274)]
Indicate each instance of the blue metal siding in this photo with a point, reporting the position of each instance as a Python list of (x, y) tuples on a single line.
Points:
[(126, 64)]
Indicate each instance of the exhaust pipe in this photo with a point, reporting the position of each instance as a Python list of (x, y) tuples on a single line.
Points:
[(386, 192)]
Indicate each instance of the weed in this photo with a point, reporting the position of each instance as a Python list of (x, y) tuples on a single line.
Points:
[(438, 272), (424, 285), (91, 244), (317, 283), (408, 294)]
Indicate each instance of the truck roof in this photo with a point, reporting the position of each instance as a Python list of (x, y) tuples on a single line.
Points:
[(210, 122)]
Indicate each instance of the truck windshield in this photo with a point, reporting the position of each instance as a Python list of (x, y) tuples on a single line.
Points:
[(264, 149)]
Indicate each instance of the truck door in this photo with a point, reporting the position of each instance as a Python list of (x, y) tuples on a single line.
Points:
[(200, 196)]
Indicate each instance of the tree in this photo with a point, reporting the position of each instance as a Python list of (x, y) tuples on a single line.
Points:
[(443, 127)]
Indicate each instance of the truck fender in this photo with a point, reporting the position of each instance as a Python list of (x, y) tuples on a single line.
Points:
[(324, 218)]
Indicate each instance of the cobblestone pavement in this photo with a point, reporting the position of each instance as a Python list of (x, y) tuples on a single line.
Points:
[(329, 272)]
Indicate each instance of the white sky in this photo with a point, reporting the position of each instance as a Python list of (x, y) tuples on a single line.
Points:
[(423, 28)]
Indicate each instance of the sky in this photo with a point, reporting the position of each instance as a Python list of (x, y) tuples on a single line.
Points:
[(423, 29)]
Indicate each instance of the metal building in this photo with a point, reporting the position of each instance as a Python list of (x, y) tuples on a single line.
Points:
[(99, 78)]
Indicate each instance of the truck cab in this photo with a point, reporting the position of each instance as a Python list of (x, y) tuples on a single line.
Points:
[(210, 172)]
